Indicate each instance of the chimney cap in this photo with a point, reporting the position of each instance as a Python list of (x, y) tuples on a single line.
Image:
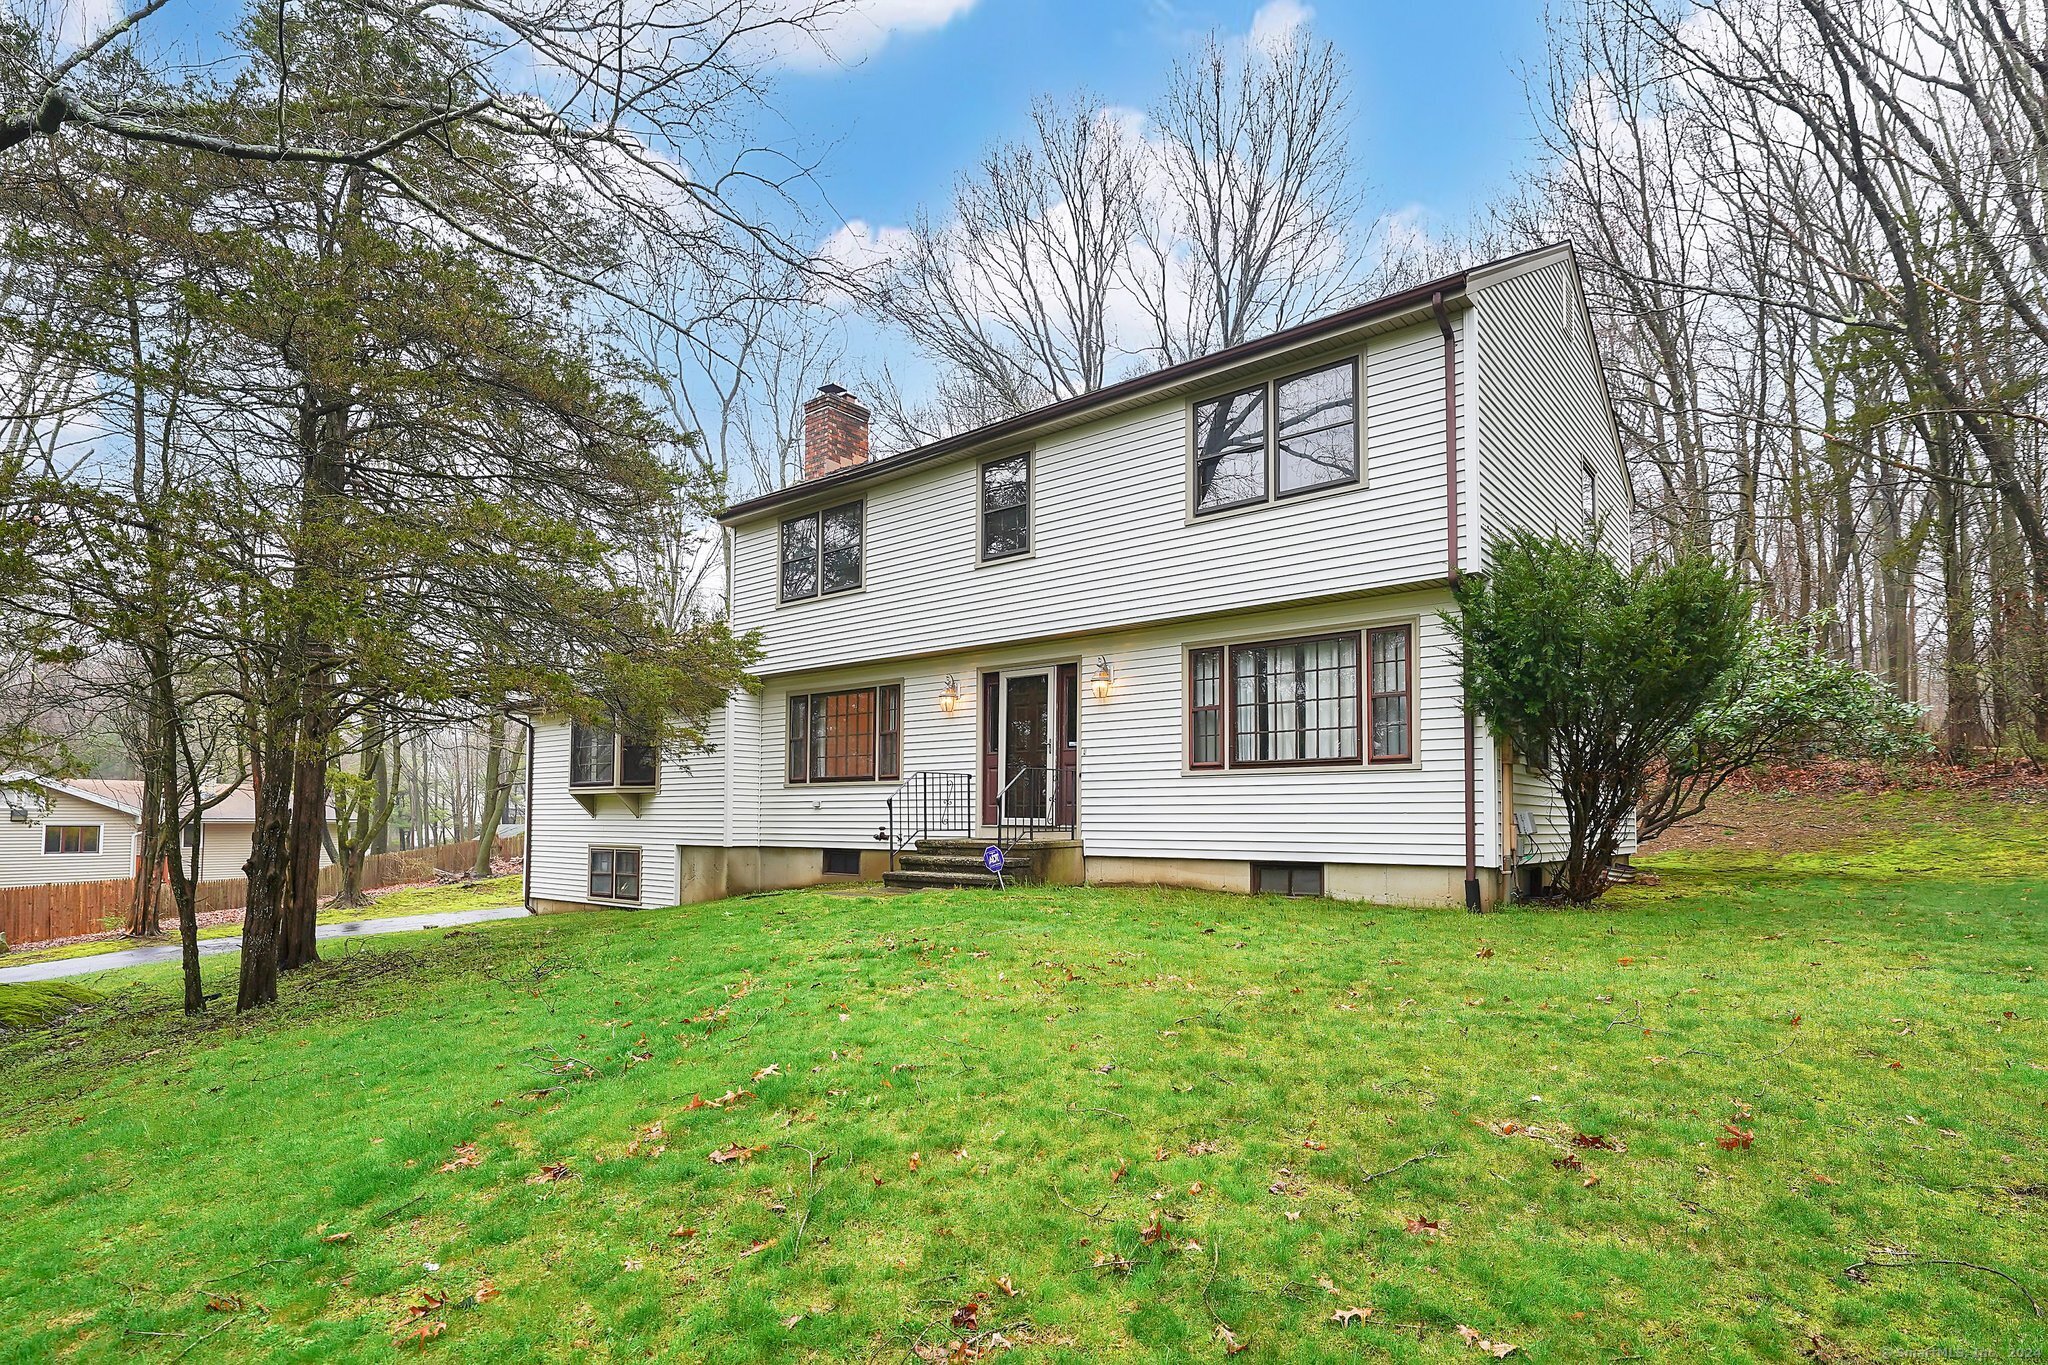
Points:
[(831, 390)]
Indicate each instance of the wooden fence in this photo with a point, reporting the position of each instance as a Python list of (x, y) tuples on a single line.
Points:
[(34, 914)]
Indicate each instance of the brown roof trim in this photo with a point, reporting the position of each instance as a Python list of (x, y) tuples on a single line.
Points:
[(1069, 408)]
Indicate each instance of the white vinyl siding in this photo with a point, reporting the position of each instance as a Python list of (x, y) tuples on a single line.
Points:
[(1113, 544), (23, 862)]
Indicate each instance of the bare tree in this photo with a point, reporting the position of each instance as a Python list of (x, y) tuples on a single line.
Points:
[(1253, 216)]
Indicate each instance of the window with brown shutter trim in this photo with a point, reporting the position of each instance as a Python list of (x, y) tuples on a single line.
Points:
[(1205, 707), (1390, 679), (848, 736)]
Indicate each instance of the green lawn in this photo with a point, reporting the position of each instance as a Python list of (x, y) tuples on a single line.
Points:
[(411, 900), (1664, 1129)]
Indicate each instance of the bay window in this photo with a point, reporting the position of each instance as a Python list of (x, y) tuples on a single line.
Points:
[(599, 757)]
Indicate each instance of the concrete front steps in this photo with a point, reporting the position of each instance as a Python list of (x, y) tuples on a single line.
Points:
[(951, 863)]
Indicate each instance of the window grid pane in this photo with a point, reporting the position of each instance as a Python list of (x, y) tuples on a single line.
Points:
[(799, 768), (799, 558), (1006, 507), (1205, 708), (841, 541), (1296, 701), (1230, 450), (889, 733), (843, 736), (590, 756), (1389, 651), (1318, 420)]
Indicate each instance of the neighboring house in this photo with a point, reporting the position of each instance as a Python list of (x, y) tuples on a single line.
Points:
[(87, 829), (1182, 630)]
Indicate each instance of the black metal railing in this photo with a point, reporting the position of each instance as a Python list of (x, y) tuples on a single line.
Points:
[(929, 803), (1035, 801)]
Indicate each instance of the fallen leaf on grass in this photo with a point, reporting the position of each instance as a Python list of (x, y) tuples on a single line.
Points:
[(1493, 1348), (736, 1152), (1346, 1317), (1118, 1173), (915, 1161), (1738, 1139), (1568, 1162), (419, 1333), (1314, 1145), (223, 1303), (792, 1320), (684, 1233), (757, 1248), (1003, 1283), (967, 1315), (1152, 1231), (429, 1302), (548, 1175), (1590, 1181), (772, 1069), (1595, 1141), (465, 1156), (1424, 1227), (1231, 1345), (337, 1236), (1110, 1261), (1484, 952), (1204, 1147)]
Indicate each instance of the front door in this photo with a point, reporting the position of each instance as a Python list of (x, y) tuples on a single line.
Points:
[(1030, 750), (1027, 745)]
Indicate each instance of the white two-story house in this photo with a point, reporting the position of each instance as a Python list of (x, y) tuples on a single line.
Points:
[(1182, 630)]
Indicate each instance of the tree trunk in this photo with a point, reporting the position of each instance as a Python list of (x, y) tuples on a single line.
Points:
[(267, 866), (497, 793), (145, 914), (297, 943)]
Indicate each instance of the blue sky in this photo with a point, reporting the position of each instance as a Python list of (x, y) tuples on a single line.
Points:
[(1440, 120)]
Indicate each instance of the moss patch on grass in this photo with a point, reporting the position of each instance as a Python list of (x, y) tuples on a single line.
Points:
[(32, 1004), (1108, 1123)]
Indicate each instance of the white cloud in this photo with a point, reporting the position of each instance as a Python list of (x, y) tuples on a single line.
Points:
[(863, 27), (1275, 24), (71, 22)]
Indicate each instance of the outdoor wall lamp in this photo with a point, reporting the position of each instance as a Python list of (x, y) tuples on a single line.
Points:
[(949, 695), (1103, 678)]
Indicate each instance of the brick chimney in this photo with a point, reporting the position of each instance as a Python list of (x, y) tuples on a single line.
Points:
[(835, 432)]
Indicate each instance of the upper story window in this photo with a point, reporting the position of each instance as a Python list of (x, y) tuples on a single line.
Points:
[(1274, 440), (71, 838), (1006, 507), (821, 551), (600, 758), (850, 736)]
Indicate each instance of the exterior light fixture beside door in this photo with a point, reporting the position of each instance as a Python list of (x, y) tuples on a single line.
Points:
[(949, 695), (1104, 676)]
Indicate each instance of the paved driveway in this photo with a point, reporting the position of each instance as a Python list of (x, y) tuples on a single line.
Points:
[(208, 947)]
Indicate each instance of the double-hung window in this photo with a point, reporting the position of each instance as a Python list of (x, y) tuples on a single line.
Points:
[(850, 736), (615, 874), (1303, 702), (599, 757), (822, 552), (1006, 507), (1275, 440), (71, 838)]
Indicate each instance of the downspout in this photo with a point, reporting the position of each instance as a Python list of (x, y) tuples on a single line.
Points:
[(1456, 576), (526, 863)]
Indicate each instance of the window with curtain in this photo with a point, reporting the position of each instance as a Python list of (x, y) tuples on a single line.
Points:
[(1391, 688), (1295, 701), (71, 838)]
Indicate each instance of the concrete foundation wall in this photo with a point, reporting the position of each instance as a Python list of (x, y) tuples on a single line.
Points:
[(1382, 884)]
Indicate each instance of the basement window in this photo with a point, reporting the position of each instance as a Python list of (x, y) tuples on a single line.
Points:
[(1287, 879), (842, 862), (615, 874)]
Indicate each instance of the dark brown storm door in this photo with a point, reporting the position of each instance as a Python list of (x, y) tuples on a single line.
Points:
[(1030, 744)]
